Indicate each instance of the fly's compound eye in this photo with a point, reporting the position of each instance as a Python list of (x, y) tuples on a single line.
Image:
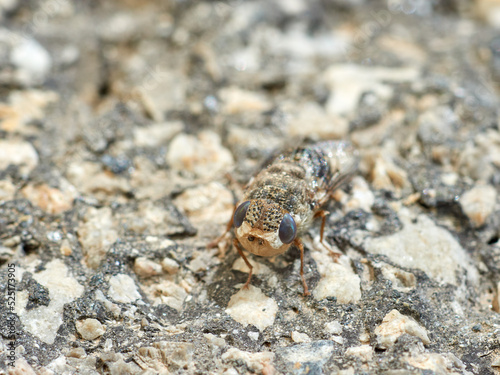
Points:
[(288, 229), (240, 213)]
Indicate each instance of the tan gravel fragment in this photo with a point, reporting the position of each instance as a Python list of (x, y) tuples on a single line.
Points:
[(478, 203), (394, 325), (90, 329)]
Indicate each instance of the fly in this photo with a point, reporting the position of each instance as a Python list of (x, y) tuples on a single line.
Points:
[(281, 201)]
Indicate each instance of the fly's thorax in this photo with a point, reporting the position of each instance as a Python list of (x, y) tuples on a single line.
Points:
[(282, 183)]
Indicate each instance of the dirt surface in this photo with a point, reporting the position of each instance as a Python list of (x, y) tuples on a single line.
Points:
[(129, 128)]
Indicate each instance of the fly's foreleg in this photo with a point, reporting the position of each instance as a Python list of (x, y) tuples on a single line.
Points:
[(297, 242), (215, 242), (322, 214), (237, 246)]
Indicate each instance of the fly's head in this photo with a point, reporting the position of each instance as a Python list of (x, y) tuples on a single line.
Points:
[(263, 227)]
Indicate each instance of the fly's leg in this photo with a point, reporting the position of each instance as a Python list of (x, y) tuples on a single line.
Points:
[(297, 242), (215, 242), (323, 214), (237, 246), (235, 186)]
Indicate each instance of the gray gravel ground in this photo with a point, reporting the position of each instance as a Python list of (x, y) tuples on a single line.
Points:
[(128, 128)]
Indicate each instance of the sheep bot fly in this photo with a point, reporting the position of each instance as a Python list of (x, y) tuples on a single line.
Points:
[(281, 201)]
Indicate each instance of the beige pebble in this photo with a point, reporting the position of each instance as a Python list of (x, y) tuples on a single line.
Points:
[(170, 293), (251, 306), (44, 321), (239, 136), (361, 197), (145, 267), (401, 280), (19, 153), (253, 335), (394, 325), (387, 175), (319, 124), (155, 358), (300, 337), (122, 289), (97, 233), (92, 179), (364, 337), (496, 362), (478, 203), (333, 328), (158, 134), (206, 203), (337, 280), (363, 352), (77, 353), (204, 156), (215, 340), (170, 266), (7, 190), (25, 106), (65, 248), (415, 247), (260, 363), (90, 329), (236, 100), (348, 82), (22, 367), (166, 94), (489, 11), (112, 307), (436, 363), (49, 199)]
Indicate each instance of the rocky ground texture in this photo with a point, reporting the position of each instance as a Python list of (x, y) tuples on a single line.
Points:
[(128, 128)]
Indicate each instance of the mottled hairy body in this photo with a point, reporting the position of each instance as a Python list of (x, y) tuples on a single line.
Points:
[(281, 201)]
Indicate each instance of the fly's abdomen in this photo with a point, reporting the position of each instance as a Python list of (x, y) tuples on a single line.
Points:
[(299, 180), (326, 164)]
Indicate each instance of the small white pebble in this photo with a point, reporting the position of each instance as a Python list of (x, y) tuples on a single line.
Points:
[(338, 339), (333, 328), (65, 248), (77, 353), (170, 266), (146, 268), (251, 306), (253, 335), (90, 329), (273, 281), (363, 352), (215, 340), (122, 289), (18, 153), (449, 179), (396, 324), (478, 203), (364, 337), (300, 337), (108, 345)]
